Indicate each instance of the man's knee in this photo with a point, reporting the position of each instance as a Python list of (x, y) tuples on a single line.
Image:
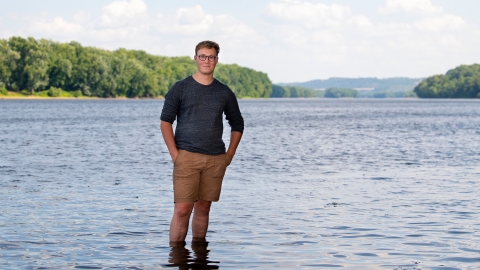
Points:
[(183, 210), (202, 207)]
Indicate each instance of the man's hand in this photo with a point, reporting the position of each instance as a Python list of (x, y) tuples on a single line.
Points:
[(230, 156), (235, 138), (174, 155), (169, 138)]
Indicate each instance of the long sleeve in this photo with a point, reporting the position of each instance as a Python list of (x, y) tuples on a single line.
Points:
[(172, 103), (233, 114)]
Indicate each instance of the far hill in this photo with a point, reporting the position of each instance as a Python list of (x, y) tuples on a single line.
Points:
[(387, 85)]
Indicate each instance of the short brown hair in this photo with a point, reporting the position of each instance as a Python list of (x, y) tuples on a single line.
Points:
[(207, 44)]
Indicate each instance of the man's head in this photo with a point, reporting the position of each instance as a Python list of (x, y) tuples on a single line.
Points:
[(207, 44), (206, 57)]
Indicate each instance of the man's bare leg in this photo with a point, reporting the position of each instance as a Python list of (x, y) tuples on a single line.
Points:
[(200, 220), (180, 220)]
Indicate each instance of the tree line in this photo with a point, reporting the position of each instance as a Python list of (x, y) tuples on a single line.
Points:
[(36, 65), (30, 65), (341, 93), (385, 94), (280, 91), (460, 82), (398, 84)]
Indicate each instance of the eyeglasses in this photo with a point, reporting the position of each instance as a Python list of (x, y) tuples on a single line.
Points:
[(204, 57)]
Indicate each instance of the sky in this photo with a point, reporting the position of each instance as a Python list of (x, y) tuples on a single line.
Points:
[(290, 40)]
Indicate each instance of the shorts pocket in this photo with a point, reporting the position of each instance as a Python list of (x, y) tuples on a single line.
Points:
[(178, 157), (220, 166)]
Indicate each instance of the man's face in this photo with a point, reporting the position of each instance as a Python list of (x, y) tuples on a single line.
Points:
[(206, 66)]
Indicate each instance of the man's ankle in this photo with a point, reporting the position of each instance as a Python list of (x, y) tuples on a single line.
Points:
[(199, 240), (177, 243)]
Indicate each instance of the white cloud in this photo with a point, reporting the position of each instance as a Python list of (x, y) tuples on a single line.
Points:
[(226, 24), (194, 15), (392, 29), (359, 21), (130, 37), (451, 41), (186, 21), (350, 44), (82, 17), (323, 30), (187, 26), (196, 22), (123, 12), (127, 24), (441, 23), (309, 14), (56, 27), (13, 15), (289, 35), (297, 36), (62, 30), (416, 7), (121, 23), (293, 41)]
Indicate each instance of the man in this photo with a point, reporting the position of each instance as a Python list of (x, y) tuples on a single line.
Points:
[(197, 149)]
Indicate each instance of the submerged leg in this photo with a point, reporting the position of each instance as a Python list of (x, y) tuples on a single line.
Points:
[(200, 220), (180, 220)]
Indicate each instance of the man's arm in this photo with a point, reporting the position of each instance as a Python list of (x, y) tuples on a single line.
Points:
[(169, 138), (235, 138), (235, 120)]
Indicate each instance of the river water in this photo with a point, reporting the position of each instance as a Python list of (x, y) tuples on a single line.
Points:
[(316, 183)]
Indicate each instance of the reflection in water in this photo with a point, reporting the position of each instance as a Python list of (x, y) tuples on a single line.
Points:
[(181, 257)]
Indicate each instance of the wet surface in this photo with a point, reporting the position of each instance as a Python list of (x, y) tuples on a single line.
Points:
[(316, 183)]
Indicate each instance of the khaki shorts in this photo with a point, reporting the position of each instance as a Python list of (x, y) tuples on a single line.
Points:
[(198, 176)]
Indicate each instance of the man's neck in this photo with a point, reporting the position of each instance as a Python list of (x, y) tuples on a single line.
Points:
[(204, 79)]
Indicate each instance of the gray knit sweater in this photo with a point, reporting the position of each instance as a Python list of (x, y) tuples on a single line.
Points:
[(199, 109)]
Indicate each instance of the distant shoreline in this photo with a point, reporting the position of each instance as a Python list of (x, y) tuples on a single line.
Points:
[(19, 96), (74, 98), (15, 95)]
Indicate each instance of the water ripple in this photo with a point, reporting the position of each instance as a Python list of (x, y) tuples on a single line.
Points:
[(316, 183)]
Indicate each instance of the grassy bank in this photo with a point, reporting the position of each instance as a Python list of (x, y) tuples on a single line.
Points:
[(47, 94), (43, 95)]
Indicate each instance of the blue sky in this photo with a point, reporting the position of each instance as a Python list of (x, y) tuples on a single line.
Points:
[(290, 40)]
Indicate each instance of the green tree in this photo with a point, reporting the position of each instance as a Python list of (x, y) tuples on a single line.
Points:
[(3, 91), (8, 63), (61, 64), (244, 82), (31, 68), (340, 93), (295, 91), (280, 91), (54, 92), (36, 70), (41, 64), (410, 94), (461, 82)]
